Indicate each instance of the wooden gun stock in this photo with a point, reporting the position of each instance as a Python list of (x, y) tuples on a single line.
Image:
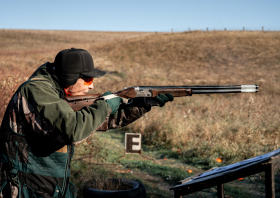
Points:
[(78, 102), (132, 92)]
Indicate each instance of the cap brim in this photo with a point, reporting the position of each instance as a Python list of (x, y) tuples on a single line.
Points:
[(96, 73)]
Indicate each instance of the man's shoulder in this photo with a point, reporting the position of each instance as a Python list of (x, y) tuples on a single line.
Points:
[(36, 82), (37, 86), (40, 79)]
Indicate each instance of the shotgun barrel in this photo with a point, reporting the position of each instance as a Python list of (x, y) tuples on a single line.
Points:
[(208, 89)]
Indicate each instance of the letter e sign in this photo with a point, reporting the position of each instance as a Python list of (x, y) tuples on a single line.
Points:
[(132, 143)]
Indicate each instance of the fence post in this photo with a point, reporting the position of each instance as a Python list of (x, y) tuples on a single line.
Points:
[(207, 29), (243, 28), (269, 181), (262, 28)]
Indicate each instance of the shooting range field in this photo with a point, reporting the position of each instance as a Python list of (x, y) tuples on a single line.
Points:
[(191, 134)]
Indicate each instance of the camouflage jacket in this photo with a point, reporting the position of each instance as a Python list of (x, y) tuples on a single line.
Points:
[(38, 113)]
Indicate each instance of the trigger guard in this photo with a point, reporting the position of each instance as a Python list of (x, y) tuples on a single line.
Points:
[(130, 101)]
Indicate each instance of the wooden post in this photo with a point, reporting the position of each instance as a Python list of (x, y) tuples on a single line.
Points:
[(243, 28), (207, 29), (220, 191), (262, 28), (269, 181)]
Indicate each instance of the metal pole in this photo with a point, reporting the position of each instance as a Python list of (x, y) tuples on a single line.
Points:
[(220, 191)]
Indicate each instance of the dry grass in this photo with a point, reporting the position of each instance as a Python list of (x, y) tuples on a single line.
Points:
[(24, 50), (226, 126), (8, 86), (108, 184), (232, 126)]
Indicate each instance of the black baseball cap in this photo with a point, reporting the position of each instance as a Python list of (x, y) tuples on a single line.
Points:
[(72, 64)]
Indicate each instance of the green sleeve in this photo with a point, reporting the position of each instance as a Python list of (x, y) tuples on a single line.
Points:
[(76, 125)]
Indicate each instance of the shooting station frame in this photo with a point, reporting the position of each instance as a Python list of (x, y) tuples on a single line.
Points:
[(218, 176)]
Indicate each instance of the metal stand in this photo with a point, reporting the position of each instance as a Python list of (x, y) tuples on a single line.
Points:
[(220, 191), (218, 176)]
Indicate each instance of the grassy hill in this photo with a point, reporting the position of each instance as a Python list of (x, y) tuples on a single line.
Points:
[(191, 131)]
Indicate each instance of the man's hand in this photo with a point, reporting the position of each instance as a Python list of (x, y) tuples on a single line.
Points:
[(113, 102), (163, 98)]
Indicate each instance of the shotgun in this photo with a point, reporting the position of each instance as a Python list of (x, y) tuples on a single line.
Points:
[(149, 92)]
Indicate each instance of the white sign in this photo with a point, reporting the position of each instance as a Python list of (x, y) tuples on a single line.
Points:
[(132, 143)]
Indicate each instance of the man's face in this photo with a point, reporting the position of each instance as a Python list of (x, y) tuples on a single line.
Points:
[(81, 87)]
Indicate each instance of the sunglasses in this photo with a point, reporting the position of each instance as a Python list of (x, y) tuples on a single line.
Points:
[(88, 80)]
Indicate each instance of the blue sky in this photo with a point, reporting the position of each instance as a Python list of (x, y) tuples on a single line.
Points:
[(140, 15)]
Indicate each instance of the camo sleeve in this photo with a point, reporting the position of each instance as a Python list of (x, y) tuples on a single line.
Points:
[(126, 114)]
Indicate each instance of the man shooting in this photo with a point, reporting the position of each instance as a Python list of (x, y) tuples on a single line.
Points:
[(39, 129)]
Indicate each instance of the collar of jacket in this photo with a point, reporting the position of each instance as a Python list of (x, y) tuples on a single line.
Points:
[(46, 72)]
